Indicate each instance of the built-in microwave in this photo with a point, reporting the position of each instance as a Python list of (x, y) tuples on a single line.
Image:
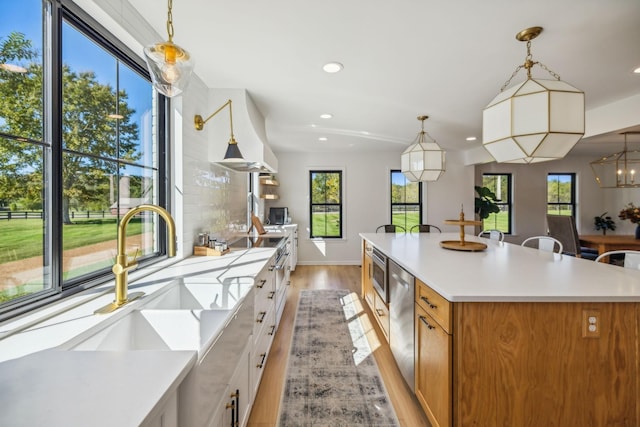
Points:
[(380, 274), (278, 216)]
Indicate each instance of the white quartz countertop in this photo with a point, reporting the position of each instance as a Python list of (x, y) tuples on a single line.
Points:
[(79, 388), (506, 272)]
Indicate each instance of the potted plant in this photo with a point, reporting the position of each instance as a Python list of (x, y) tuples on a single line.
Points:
[(604, 223), (485, 202)]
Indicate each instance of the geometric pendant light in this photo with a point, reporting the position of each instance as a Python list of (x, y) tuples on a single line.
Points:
[(424, 159), (533, 121), (170, 65), (618, 170)]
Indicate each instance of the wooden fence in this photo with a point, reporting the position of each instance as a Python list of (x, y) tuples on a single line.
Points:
[(7, 215)]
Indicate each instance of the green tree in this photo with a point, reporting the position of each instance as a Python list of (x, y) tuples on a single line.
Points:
[(92, 137), (325, 187)]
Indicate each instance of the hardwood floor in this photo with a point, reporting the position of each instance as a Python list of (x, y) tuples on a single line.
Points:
[(266, 406)]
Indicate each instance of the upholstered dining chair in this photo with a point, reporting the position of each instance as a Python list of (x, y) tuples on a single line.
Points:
[(424, 228), (492, 235), (545, 243), (631, 258), (563, 228), (391, 228)]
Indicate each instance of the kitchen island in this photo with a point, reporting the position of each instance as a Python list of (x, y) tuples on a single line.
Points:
[(520, 337)]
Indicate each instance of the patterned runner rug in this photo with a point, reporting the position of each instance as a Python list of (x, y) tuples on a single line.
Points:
[(332, 376)]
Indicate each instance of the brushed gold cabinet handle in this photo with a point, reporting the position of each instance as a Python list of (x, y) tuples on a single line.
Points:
[(262, 282), (428, 303), (271, 295), (273, 329), (262, 315), (380, 312), (424, 320)]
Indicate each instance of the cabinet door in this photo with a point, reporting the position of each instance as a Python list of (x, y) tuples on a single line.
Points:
[(222, 414), (240, 388), (433, 369), (367, 279)]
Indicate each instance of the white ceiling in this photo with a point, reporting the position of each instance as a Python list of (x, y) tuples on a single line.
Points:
[(402, 58)]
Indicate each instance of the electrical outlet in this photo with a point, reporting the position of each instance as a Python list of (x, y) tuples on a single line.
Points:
[(591, 323)]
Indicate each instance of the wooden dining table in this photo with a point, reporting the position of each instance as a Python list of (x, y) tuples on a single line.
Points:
[(610, 242)]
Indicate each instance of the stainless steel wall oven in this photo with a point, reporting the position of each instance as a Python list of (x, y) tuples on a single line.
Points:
[(380, 274)]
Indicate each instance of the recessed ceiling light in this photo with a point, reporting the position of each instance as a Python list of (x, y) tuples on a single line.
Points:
[(332, 67), (313, 125), (326, 116), (637, 70), (322, 138), (471, 138)]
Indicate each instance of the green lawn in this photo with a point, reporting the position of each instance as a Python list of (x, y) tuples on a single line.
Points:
[(406, 220), (326, 224), (23, 238)]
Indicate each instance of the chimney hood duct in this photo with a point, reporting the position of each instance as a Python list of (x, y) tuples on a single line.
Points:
[(248, 129)]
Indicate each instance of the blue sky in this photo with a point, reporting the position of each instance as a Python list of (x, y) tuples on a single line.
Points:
[(79, 53)]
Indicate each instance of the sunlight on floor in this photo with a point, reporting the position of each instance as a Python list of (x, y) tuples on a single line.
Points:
[(363, 336)]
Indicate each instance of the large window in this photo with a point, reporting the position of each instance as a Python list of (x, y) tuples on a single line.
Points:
[(325, 188), (81, 142), (406, 201), (561, 194), (500, 185)]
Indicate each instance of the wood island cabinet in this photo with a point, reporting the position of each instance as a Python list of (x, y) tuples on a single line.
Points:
[(526, 363), (433, 363), (367, 274)]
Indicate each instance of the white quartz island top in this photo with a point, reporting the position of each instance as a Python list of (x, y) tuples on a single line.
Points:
[(506, 272)]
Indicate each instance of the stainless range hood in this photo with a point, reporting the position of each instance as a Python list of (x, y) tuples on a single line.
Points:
[(248, 129)]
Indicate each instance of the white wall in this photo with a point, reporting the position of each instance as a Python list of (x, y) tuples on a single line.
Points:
[(204, 197), (530, 196), (366, 198)]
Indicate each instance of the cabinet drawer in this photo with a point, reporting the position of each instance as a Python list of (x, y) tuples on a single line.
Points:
[(259, 360), (434, 304), (381, 312), (264, 324)]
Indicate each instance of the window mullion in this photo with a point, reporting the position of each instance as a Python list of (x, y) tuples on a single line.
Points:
[(53, 134)]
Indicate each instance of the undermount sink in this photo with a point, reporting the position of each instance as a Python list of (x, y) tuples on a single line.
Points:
[(187, 315), (195, 294), (159, 330)]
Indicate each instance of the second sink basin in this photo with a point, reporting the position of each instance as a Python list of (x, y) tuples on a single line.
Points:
[(194, 294), (159, 330)]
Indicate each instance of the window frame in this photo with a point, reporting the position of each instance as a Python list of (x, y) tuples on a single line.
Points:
[(55, 15), (508, 203), (419, 204), (340, 205), (573, 204)]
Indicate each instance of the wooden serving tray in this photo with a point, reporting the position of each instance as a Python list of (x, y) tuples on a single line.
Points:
[(457, 245), (206, 251)]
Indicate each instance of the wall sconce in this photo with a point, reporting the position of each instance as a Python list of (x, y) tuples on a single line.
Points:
[(424, 159), (233, 152), (536, 120), (618, 170), (170, 65)]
